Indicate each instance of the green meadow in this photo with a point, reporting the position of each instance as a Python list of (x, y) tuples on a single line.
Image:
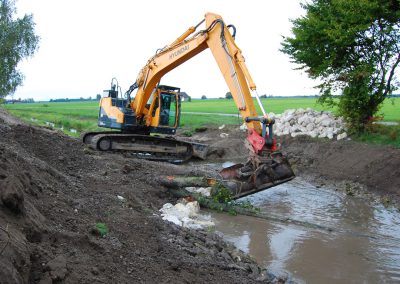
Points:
[(82, 116)]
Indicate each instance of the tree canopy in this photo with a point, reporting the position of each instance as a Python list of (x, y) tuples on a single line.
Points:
[(228, 95), (17, 41), (352, 47)]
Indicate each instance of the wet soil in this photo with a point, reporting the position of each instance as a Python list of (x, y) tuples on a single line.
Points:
[(54, 191)]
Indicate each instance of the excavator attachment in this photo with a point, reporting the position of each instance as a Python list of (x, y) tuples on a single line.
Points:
[(256, 175), (266, 167)]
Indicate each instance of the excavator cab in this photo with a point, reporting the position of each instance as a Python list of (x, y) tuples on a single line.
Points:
[(163, 110), (161, 113)]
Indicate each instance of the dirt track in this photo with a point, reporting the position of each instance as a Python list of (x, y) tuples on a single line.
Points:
[(54, 191)]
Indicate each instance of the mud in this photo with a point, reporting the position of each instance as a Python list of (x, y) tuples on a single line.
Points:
[(54, 191)]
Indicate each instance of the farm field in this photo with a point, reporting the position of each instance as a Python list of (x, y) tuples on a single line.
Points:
[(82, 116)]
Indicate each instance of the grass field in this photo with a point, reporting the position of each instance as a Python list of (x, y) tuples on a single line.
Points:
[(82, 116)]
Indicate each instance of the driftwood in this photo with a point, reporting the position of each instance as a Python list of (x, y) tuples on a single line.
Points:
[(186, 181)]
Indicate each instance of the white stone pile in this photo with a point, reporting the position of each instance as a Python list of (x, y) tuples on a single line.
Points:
[(321, 124)]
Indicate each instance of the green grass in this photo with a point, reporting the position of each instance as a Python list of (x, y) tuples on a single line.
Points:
[(380, 134), (390, 108), (275, 105), (82, 116), (102, 229)]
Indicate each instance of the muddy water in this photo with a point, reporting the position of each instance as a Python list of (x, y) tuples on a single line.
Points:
[(361, 246)]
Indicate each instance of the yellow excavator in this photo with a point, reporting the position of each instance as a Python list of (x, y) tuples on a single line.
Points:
[(156, 109)]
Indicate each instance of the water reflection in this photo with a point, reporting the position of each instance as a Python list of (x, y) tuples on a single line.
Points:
[(364, 247)]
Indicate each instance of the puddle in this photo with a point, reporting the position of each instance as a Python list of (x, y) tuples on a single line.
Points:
[(363, 247)]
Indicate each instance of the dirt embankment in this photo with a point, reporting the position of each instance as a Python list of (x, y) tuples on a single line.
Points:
[(374, 167), (53, 192), (346, 164)]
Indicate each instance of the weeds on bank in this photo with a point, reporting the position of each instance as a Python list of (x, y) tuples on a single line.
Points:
[(102, 229), (187, 133), (380, 134), (222, 200)]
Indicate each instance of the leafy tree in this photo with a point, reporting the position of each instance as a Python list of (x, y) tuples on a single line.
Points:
[(353, 48), (203, 97), (17, 41), (228, 95)]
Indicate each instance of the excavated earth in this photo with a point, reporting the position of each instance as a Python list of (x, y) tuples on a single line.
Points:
[(371, 171), (53, 192)]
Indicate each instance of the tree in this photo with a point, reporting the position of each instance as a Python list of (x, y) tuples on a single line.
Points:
[(98, 97), (203, 97), (353, 48), (17, 41), (228, 95)]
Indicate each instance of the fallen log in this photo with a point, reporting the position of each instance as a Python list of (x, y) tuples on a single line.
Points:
[(186, 181), (237, 188)]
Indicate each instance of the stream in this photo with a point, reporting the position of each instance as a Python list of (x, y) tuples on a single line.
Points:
[(363, 247)]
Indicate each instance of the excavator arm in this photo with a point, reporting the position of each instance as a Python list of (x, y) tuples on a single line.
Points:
[(231, 62)]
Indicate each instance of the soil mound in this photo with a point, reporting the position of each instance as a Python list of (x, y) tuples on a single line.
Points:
[(375, 166)]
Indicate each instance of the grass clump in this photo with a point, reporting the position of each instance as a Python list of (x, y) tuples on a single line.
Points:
[(380, 134), (101, 229), (187, 133), (221, 194)]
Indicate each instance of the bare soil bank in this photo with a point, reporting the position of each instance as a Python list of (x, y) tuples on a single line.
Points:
[(356, 167), (352, 166), (53, 192)]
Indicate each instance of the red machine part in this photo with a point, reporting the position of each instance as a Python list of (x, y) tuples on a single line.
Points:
[(256, 140)]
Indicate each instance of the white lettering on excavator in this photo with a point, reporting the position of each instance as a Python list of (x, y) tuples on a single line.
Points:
[(179, 52)]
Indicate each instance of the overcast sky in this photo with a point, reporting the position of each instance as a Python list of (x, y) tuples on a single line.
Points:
[(86, 43)]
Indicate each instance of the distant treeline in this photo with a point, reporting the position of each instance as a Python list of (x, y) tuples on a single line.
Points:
[(97, 98), (73, 100), (19, 101)]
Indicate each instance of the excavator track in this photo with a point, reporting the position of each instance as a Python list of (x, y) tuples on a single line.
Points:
[(142, 146)]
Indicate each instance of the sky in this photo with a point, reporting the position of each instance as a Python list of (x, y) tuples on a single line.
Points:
[(84, 44)]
